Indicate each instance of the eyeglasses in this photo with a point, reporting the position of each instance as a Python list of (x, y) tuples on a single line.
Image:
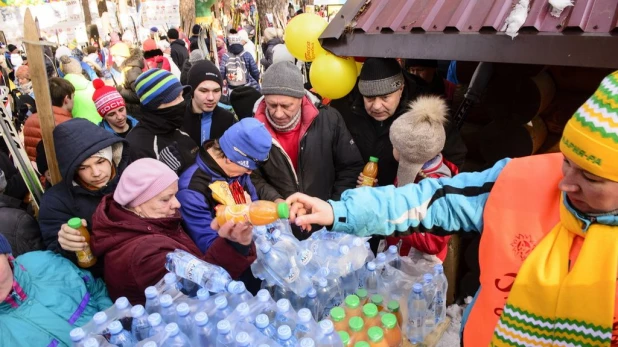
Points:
[(256, 161)]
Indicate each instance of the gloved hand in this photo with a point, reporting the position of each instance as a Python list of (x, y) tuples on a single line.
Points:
[(171, 157)]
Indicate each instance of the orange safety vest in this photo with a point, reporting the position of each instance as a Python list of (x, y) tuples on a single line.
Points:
[(522, 208)]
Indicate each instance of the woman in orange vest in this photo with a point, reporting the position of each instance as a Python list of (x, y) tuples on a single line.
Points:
[(549, 224)]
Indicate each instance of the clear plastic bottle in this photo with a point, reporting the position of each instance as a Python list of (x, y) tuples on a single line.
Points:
[(392, 257), (265, 303), (205, 304), (307, 342), (224, 334), (370, 255), (184, 319), (171, 284), (370, 315), (91, 342), (312, 303), (243, 339), (380, 262), (78, 336), (205, 332), (262, 323), (139, 326), (211, 277), (285, 267), (152, 300), (285, 314), (156, 324), (168, 309), (305, 325), (238, 293), (223, 309), (100, 323), (242, 314), (429, 291), (372, 278), (285, 337), (119, 336), (441, 289), (327, 336), (417, 310), (175, 337), (356, 327), (392, 332), (339, 318)]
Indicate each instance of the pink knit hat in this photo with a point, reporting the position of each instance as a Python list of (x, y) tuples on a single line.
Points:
[(143, 180)]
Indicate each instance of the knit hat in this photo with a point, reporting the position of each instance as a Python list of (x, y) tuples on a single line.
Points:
[(106, 153), (196, 55), (234, 39), (204, 70), (154, 30), (23, 72), (5, 246), (283, 78), (246, 143), (156, 86), (70, 65), (380, 76), (242, 33), (106, 98), (120, 49), (149, 45), (11, 47), (2, 181), (590, 138), (281, 53), (418, 135), (243, 100), (143, 180)]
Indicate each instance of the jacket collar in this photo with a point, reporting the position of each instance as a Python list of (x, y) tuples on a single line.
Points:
[(309, 112), (8, 201), (209, 165), (61, 112), (17, 293), (605, 219)]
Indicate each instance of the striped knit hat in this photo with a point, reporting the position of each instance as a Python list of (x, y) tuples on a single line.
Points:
[(590, 138), (106, 98), (156, 86)]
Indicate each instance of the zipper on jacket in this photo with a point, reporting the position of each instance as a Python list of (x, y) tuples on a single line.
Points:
[(290, 165)]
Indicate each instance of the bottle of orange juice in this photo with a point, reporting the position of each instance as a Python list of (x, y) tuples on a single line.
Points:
[(370, 315), (361, 344), (259, 212), (392, 331), (376, 337), (370, 172), (357, 330), (352, 306), (85, 258), (378, 300), (337, 315), (394, 308), (345, 338), (363, 296)]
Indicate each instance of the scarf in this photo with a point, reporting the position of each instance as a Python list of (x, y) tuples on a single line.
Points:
[(164, 120), (552, 306), (284, 128)]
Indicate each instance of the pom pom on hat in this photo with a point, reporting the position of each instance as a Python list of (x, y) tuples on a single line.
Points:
[(143, 180), (106, 98)]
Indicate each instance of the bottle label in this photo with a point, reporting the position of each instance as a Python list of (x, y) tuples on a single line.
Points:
[(305, 256), (292, 275), (85, 256), (237, 213), (191, 271), (368, 181)]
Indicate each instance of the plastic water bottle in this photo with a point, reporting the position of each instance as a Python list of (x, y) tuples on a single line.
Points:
[(393, 258), (119, 336), (238, 293), (223, 309), (224, 334), (243, 339), (205, 332), (286, 268), (156, 324), (429, 291), (380, 262), (370, 255), (305, 325), (262, 323), (168, 309), (441, 288), (100, 323), (372, 279), (184, 319), (122, 312), (417, 308), (285, 337), (77, 335), (264, 303), (307, 342), (285, 314), (175, 337), (91, 342), (242, 314), (329, 293), (211, 277), (312, 303), (327, 336), (205, 304), (139, 326), (172, 285), (152, 300)]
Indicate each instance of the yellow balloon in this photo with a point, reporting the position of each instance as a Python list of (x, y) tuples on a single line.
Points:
[(301, 36), (333, 77)]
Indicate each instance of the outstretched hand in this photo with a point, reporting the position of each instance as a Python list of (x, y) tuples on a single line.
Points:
[(241, 233), (306, 210)]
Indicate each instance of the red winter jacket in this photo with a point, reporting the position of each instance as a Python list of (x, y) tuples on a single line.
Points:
[(134, 249), (158, 62), (425, 242)]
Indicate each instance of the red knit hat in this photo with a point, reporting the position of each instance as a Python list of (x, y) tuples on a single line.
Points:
[(106, 98), (149, 45)]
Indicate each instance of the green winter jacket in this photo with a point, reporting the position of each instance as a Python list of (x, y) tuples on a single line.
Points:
[(55, 297), (83, 106)]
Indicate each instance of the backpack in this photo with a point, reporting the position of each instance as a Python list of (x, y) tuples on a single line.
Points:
[(236, 70)]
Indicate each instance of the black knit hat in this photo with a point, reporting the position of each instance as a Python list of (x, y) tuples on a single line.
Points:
[(380, 76), (11, 47), (243, 100), (204, 70)]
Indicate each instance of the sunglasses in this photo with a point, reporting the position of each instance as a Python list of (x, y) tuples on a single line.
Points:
[(256, 161)]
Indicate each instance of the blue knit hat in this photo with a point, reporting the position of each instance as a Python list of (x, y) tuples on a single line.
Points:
[(246, 143), (156, 86), (5, 247)]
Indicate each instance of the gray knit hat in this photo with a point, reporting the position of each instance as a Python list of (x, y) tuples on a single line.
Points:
[(283, 78), (380, 76), (418, 135)]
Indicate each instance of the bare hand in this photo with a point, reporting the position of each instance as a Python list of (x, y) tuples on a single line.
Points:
[(71, 239), (359, 180), (237, 232), (306, 210)]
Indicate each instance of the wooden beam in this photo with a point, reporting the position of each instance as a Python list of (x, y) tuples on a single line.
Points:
[(36, 63)]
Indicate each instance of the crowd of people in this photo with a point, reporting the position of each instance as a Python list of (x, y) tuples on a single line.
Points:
[(142, 133)]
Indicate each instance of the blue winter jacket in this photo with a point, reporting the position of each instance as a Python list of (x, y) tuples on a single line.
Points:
[(253, 73), (57, 297), (196, 201), (105, 125)]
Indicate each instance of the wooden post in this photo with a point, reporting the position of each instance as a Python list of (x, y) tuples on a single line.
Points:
[(40, 85)]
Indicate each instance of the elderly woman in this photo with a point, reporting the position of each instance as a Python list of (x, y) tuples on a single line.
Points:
[(137, 226)]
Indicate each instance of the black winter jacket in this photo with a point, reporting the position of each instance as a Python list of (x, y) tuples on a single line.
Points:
[(192, 123), (75, 141), (18, 227), (179, 52)]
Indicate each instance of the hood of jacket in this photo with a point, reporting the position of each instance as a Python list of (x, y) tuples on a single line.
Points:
[(113, 225), (7, 201), (236, 48), (273, 42), (134, 60), (77, 139), (179, 43), (78, 81)]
